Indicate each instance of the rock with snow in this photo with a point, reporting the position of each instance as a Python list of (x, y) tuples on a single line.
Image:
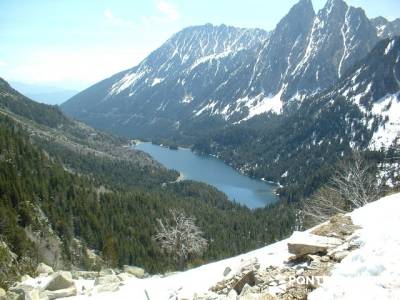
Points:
[(303, 243), (105, 272), (135, 271), (24, 291), (227, 271), (42, 268), (59, 281), (2, 294), (247, 279), (107, 279), (60, 293)]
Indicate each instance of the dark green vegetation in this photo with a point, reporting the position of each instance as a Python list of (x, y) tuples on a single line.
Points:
[(67, 188)]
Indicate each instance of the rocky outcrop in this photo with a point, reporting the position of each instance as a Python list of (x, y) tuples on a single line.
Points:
[(303, 243), (315, 254)]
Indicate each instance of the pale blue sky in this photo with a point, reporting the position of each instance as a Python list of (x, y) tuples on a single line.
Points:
[(74, 43)]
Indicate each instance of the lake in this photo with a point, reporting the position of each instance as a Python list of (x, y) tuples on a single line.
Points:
[(238, 187)]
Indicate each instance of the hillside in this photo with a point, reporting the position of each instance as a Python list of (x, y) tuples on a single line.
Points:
[(73, 197), (368, 269)]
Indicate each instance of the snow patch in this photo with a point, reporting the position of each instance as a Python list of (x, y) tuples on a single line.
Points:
[(127, 81), (260, 104), (388, 107), (389, 47), (157, 81)]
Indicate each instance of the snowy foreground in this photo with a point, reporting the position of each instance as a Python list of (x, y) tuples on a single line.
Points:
[(370, 272)]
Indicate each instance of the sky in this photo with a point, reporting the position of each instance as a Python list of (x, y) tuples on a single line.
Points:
[(75, 43)]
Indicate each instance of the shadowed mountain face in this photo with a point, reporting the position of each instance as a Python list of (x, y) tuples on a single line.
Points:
[(222, 75)]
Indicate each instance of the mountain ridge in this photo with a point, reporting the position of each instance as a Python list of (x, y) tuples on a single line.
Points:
[(223, 74)]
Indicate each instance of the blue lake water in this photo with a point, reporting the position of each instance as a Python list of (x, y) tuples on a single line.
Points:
[(238, 187)]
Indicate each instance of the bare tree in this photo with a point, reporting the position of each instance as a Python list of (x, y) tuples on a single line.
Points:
[(354, 184), (357, 183), (180, 237), (321, 206)]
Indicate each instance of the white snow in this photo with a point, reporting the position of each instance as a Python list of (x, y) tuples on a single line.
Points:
[(157, 81), (127, 81), (260, 104), (388, 107), (389, 47), (373, 271)]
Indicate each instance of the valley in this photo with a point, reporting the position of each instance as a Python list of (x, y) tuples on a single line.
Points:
[(225, 162)]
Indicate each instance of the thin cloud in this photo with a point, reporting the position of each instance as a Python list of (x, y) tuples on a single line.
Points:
[(3, 63), (117, 21), (166, 13)]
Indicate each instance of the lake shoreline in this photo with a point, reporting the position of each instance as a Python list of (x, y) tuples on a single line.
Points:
[(249, 191)]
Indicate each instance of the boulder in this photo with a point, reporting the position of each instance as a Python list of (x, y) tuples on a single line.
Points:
[(125, 276), (62, 293), (303, 243), (108, 279), (26, 278), (106, 272), (60, 281), (44, 269), (2, 294), (338, 256), (135, 271), (84, 275), (247, 278), (227, 271), (24, 292)]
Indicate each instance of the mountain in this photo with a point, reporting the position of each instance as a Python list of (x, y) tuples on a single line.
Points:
[(44, 94), (300, 147), (385, 28), (216, 75)]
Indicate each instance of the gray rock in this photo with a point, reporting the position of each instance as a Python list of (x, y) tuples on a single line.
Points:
[(248, 278), (62, 293), (44, 269), (135, 271), (303, 243), (59, 281), (339, 255), (26, 278), (24, 292), (2, 294), (106, 272), (108, 279), (84, 275), (227, 271)]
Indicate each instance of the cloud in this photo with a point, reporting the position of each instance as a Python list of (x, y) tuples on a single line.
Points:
[(166, 13), (3, 63), (117, 21)]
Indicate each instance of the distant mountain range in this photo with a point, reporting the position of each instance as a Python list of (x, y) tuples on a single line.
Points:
[(44, 94), (224, 75)]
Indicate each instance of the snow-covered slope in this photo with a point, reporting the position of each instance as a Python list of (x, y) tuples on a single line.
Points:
[(370, 272), (373, 271), (227, 73)]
